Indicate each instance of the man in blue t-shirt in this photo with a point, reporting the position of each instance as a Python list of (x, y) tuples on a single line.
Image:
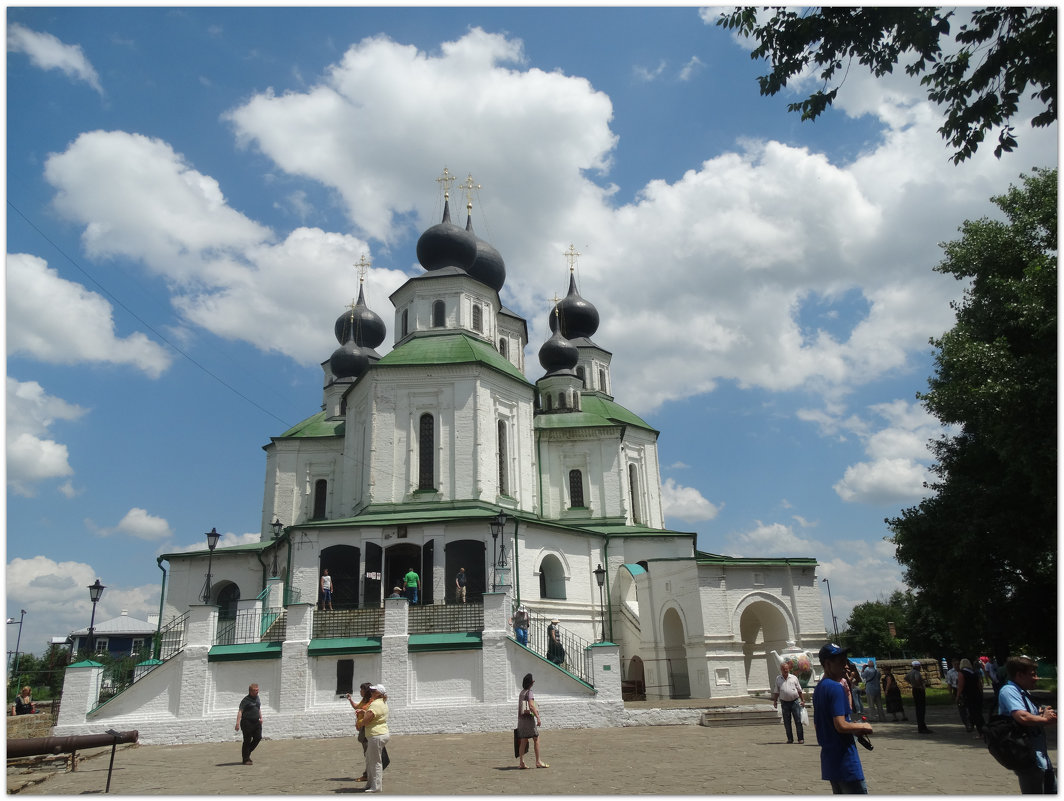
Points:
[(1015, 700), (839, 762)]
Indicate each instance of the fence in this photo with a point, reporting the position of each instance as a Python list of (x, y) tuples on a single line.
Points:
[(349, 623), (172, 637), (436, 618), (253, 625), (577, 657)]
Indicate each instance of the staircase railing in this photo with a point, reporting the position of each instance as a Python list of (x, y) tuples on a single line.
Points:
[(577, 658)]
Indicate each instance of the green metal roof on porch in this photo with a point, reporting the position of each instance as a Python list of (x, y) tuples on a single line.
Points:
[(246, 651), (596, 411), (315, 426), (635, 570), (250, 547), (451, 348), (344, 645), (704, 558), (452, 641)]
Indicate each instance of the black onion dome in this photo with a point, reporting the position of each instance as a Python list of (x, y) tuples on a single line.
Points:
[(350, 360), (558, 354), (579, 318), (488, 267), (446, 245), (361, 324)]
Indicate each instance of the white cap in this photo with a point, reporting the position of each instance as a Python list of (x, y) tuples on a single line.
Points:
[(378, 688)]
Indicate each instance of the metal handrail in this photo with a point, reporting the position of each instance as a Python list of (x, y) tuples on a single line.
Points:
[(577, 657), (253, 625), (438, 618)]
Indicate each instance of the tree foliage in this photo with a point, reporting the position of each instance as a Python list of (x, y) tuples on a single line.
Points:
[(1000, 54), (918, 629), (982, 549)]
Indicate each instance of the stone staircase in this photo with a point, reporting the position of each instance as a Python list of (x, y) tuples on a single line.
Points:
[(744, 715)]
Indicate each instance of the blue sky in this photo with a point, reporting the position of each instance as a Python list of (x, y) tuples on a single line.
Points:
[(189, 189)]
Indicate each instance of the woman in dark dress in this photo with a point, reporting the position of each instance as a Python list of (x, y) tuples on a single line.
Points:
[(892, 695), (528, 722), (555, 650)]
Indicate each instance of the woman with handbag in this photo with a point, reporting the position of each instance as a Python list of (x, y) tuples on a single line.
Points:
[(528, 722)]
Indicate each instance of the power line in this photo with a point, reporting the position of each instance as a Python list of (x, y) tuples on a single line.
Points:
[(142, 321)]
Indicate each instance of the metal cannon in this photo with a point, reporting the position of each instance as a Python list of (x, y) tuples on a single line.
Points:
[(35, 746)]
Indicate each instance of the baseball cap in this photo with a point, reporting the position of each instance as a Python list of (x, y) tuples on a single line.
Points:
[(831, 649), (554, 620), (378, 688)]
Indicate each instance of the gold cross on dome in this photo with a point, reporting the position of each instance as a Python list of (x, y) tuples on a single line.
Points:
[(363, 266), (555, 300), (570, 256), (469, 188), (446, 179), (352, 306)]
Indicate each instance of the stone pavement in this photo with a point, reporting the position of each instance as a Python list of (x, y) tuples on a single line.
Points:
[(675, 760)]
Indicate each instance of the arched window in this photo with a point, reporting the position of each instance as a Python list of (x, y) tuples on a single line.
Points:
[(478, 319), (551, 578), (548, 399), (580, 373), (602, 380), (405, 328), (426, 473), (438, 314), (321, 496), (504, 488), (633, 494), (576, 489), (504, 348)]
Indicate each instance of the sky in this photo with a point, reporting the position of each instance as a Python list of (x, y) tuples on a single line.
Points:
[(189, 191)]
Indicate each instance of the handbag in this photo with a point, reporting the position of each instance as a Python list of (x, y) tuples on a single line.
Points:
[(517, 745), (804, 715), (526, 709)]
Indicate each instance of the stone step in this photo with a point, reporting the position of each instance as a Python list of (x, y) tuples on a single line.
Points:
[(738, 716)]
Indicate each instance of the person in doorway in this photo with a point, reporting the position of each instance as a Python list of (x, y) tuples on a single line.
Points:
[(840, 763), (326, 590), (1014, 700), (915, 677), (249, 722), (788, 693), (413, 584), (873, 690), (528, 723), (460, 586), (375, 720), (555, 649)]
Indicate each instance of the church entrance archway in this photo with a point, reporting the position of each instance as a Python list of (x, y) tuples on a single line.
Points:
[(470, 555), (763, 629), (676, 654), (398, 561), (342, 563)]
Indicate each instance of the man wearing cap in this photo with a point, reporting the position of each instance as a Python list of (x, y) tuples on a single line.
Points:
[(915, 677), (375, 724), (839, 762)]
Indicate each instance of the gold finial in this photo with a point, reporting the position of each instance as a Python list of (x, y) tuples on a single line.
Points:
[(469, 188), (570, 256), (446, 179), (352, 306), (555, 300), (363, 266)]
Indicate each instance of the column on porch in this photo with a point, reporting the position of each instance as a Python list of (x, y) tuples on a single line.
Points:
[(202, 630), (395, 657), (295, 665)]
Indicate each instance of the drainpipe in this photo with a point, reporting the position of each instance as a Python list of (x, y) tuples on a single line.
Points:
[(609, 603), (288, 569), (263, 566), (517, 572), (159, 624)]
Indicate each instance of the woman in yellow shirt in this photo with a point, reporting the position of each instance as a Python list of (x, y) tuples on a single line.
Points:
[(375, 721)]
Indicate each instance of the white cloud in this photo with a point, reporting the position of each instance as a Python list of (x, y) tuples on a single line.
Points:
[(32, 457), (227, 540), (137, 523), (49, 53), (83, 332), (648, 75), (694, 65), (686, 503), (771, 539)]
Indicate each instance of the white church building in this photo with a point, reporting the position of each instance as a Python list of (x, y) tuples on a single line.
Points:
[(441, 455)]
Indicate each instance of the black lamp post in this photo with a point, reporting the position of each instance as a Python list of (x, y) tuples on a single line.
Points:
[(18, 640), (834, 620), (212, 543), (95, 593), (278, 529), (600, 577), (498, 525)]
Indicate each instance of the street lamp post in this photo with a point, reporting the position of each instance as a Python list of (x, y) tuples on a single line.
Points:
[(600, 577), (18, 639), (834, 620), (498, 525), (95, 593), (212, 543)]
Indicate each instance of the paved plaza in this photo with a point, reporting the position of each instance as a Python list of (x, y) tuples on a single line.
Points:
[(674, 760)]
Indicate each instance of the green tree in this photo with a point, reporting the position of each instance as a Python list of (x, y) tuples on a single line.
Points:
[(981, 551), (1000, 54), (868, 632)]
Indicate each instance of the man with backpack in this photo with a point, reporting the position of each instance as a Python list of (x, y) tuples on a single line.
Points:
[(1015, 701)]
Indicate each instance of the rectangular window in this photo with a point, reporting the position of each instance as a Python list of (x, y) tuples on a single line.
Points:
[(345, 676)]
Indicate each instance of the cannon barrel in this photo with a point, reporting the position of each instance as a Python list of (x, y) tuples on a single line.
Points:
[(32, 746)]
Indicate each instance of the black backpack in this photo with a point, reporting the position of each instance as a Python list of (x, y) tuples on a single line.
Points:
[(1009, 743)]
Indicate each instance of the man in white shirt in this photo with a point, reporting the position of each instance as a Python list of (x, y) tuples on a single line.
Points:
[(789, 694)]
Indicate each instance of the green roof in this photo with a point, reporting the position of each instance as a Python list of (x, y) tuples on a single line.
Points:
[(597, 411), (315, 426), (449, 348), (247, 546), (704, 558), (251, 650), (333, 646), (451, 641)]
